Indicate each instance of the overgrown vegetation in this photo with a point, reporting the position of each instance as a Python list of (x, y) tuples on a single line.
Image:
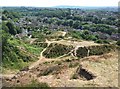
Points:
[(17, 54), (99, 50), (56, 50), (72, 65), (82, 52), (94, 50), (20, 24)]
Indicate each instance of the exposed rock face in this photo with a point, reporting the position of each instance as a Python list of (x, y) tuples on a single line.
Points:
[(85, 73)]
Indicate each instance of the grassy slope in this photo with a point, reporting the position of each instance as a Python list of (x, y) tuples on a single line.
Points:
[(19, 54)]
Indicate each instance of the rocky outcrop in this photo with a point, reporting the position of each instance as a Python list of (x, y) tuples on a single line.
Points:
[(84, 73)]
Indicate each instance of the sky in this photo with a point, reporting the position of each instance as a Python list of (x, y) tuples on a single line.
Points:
[(49, 3)]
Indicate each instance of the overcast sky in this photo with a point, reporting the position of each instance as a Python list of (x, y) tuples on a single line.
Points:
[(48, 3)]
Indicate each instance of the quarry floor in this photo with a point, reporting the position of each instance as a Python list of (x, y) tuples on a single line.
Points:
[(104, 67)]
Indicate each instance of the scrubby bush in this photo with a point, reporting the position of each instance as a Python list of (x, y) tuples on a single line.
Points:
[(118, 43), (94, 50), (82, 52), (71, 65), (106, 42), (56, 50), (74, 76), (99, 41), (98, 50)]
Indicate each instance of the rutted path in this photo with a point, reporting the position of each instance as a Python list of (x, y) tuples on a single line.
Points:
[(75, 51), (41, 59), (64, 33), (7, 75)]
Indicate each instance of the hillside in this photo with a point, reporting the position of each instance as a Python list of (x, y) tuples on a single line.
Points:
[(56, 47)]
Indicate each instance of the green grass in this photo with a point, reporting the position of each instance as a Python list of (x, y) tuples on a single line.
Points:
[(30, 48), (34, 49), (15, 65), (18, 54)]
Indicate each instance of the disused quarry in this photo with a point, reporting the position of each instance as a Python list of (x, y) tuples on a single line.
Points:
[(74, 72)]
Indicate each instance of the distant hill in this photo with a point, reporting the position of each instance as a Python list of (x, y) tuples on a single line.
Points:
[(65, 6), (89, 7), (105, 8)]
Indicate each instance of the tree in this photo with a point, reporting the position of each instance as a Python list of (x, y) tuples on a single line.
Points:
[(76, 25), (11, 28), (4, 17), (5, 12), (70, 23), (86, 32), (5, 37), (4, 27), (99, 41)]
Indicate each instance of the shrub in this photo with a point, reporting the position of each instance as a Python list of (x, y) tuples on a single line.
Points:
[(82, 52), (74, 76), (118, 43), (71, 65), (56, 50), (105, 41), (99, 41), (68, 60), (98, 50), (58, 62)]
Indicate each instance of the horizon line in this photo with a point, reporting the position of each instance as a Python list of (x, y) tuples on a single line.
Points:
[(59, 6)]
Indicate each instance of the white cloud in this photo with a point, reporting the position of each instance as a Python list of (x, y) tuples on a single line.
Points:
[(47, 3)]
